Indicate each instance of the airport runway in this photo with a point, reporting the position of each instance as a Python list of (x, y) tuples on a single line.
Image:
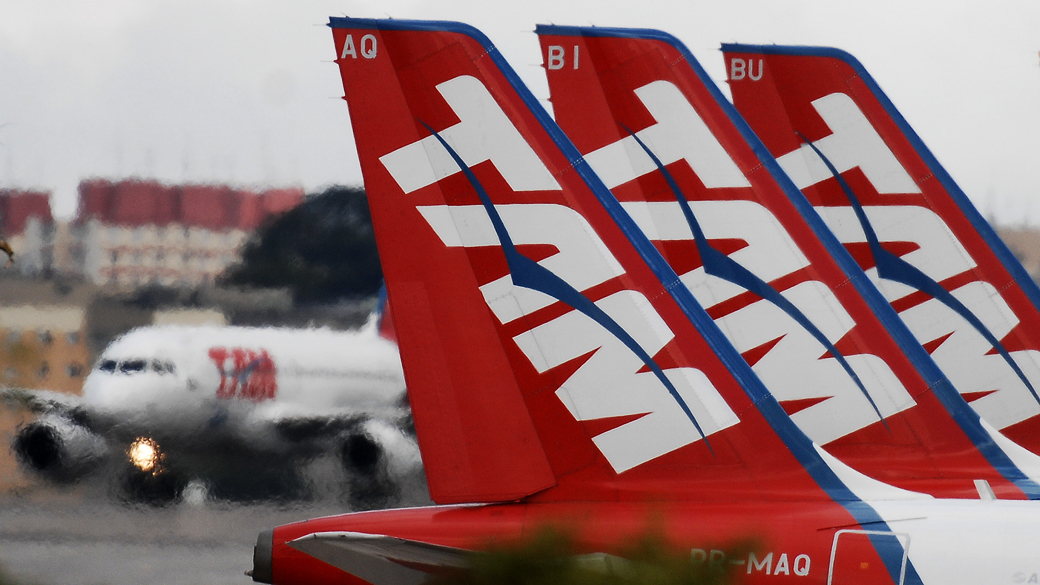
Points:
[(78, 536)]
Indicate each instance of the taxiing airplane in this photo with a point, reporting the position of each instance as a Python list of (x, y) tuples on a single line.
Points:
[(175, 403), (885, 196), (553, 379), (703, 188)]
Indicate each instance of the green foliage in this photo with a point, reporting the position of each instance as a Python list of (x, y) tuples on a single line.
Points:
[(552, 558), (323, 250)]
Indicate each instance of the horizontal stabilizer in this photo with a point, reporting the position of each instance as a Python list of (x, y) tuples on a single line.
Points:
[(381, 559)]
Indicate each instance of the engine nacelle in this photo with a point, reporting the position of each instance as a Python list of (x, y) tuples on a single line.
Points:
[(382, 460), (59, 448)]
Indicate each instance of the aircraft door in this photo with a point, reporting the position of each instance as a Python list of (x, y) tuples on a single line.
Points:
[(854, 557)]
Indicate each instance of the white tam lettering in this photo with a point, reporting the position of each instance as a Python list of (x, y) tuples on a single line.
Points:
[(854, 143), (610, 383), (969, 361), (938, 253), (963, 354), (583, 259), (769, 254), (679, 134), (483, 133), (796, 355)]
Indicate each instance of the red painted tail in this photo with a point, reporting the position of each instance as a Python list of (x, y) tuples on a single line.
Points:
[(954, 283), (384, 318), (544, 357), (756, 255)]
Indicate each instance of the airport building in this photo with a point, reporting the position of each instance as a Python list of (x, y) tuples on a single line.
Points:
[(44, 333), (43, 345), (134, 233), (1024, 243), (126, 234), (28, 226)]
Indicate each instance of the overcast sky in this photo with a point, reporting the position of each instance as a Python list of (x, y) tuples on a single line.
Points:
[(245, 92)]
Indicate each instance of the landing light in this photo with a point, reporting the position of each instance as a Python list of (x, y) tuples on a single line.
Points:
[(144, 454)]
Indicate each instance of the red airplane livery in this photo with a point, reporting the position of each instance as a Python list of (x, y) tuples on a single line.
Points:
[(552, 377), (696, 180), (251, 375), (884, 195)]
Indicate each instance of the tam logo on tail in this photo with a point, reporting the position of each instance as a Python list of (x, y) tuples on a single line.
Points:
[(621, 331), (679, 134), (961, 330), (760, 260), (858, 394), (853, 143), (484, 133)]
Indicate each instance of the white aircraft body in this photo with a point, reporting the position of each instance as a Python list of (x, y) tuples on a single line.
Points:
[(273, 373), (170, 404)]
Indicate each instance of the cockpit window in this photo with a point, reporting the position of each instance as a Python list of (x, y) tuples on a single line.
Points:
[(136, 366), (132, 367)]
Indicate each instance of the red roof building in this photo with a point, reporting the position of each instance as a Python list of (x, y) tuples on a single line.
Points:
[(28, 226), (137, 232), (17, 207), (135, 202)]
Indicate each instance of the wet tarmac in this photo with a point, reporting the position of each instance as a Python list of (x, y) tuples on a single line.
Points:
[(83, 536)]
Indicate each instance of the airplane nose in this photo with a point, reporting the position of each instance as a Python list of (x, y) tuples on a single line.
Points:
[(262, 557)]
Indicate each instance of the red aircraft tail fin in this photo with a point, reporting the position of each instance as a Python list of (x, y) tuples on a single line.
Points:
[(701, 186), (956, 285), (384, 318), (549, 350)]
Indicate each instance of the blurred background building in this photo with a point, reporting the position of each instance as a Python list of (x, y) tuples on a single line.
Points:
[(1024, 243), (27, 224), (134, 233)]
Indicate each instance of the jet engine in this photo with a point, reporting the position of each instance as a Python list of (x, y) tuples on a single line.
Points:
[(59, 448), (382, 462)]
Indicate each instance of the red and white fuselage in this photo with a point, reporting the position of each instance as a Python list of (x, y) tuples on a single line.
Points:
[(182, 373)]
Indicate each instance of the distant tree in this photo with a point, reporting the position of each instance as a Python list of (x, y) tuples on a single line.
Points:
[(323, 250)]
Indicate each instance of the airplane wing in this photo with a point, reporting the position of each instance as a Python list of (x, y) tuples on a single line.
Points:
[(381, 559), (39, 401), (331, 546), (69, 440)]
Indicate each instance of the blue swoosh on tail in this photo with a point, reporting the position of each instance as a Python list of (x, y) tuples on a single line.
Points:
[(892, 267), (529, 274), (722, 266)]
